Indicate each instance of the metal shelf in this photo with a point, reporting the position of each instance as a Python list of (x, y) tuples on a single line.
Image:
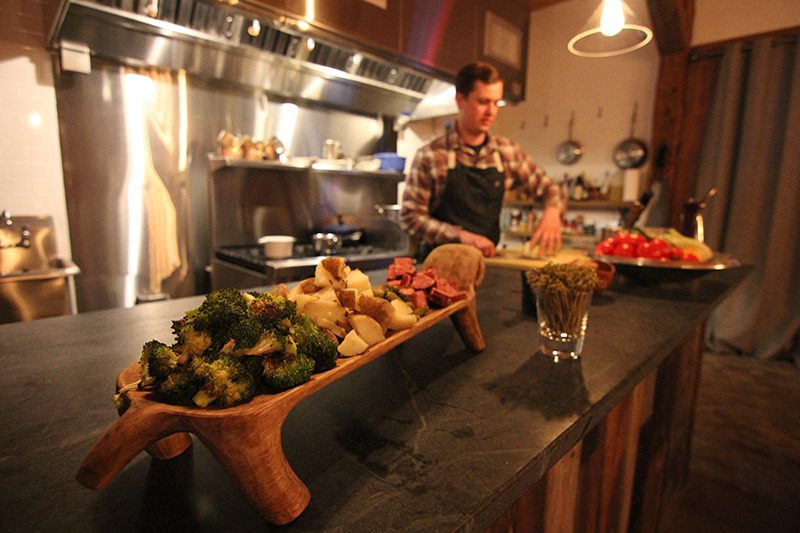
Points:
[(575, 204), (217, 162)]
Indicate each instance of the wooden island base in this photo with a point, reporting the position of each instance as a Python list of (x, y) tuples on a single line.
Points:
[(622, 472)]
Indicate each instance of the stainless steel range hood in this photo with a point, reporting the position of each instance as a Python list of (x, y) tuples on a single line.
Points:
[(216, 41)]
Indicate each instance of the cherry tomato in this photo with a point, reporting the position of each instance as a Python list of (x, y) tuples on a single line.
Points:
[(689, 256), (659, 244), (623, 249), (648, 250), (672, 253), (636, 238), (605, 247), (625, 237)]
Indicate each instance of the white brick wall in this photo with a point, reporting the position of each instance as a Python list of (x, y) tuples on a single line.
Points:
[(31, 177)]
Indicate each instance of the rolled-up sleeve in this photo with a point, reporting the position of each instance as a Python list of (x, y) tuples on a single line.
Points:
[(524, 172)]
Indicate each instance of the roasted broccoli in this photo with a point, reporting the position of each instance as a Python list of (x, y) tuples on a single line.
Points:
[(313, 342), (226, 382), (284, 371), (180, 386), (274, 312), (232, 344), (157, 361), (270, 341), (225, 316), (189, 341)]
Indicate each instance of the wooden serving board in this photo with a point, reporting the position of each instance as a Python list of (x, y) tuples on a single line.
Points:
[(245, 439), (515, 259)]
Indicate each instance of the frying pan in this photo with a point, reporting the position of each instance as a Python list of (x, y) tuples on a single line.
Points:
[(570, 150), (632, 152)]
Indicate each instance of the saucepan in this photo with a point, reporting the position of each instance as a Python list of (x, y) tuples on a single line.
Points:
[(389, 211), (326, 243), (631, 152), (570, 150), (331, 238)]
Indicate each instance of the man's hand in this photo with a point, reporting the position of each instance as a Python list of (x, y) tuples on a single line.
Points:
[(486, 246), (548, 232)]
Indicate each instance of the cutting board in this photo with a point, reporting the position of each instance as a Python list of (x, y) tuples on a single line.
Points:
[(515, 259)]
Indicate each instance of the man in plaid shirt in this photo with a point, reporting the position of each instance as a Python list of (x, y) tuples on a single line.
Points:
[(454, 192)]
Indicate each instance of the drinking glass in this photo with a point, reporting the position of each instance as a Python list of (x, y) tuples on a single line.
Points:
[(562, 317)]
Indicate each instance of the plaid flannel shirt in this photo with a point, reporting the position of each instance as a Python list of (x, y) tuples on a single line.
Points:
[(425, 184)]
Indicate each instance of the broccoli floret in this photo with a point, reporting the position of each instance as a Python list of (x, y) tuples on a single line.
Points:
[(284, 371), (253, 365), (180, 386), (274, 312), (189, 341), (313, 342), (226, 382), (157, 361), (224, 315), (270, 342), (233, 343)]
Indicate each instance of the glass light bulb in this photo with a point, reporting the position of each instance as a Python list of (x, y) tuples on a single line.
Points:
[(612, 18)]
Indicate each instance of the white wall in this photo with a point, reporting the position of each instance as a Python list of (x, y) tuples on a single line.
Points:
[(601, 91), (722, 20), (31, 176)]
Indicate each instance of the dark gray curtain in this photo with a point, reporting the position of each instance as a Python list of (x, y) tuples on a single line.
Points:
[(751, 153)]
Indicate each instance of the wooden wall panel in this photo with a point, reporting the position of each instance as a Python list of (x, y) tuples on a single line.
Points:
[(561, 503), (665, 441), (591, 488), (527, 513)]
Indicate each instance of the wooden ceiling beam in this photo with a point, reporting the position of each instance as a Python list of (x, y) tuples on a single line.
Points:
[(539, 4), (672, 24)]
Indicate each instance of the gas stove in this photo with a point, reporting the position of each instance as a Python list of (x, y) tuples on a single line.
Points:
[(247, 266)]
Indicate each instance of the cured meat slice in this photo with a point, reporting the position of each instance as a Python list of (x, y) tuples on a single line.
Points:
[(446, 296), (419, 299), (405, 262), (407, 291), (422, 281), (396, 271)]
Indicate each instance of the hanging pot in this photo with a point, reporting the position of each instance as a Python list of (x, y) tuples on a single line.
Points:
[(632, 152), (570, 150)]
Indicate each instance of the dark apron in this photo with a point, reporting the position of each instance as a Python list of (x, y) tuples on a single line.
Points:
[(472, 199)]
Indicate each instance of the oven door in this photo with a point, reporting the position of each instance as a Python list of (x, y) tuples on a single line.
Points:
[(225, 274)]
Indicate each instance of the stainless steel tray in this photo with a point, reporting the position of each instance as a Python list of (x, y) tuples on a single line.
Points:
[(656, 271)]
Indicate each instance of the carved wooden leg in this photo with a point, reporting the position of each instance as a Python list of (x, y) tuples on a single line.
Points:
[(250, 449), (170, 447), (141, 426), (466, 323)]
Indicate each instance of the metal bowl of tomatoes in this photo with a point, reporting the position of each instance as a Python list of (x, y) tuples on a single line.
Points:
[(640, 258)]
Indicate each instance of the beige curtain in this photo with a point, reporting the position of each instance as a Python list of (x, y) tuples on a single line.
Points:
[(751, 153)]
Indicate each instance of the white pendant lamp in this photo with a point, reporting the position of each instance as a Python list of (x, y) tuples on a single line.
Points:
[(612, 29)]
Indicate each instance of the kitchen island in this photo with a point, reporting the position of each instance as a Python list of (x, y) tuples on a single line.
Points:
[(430, 437)]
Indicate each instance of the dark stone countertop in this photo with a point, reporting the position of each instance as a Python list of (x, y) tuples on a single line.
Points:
[(430, 437)]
